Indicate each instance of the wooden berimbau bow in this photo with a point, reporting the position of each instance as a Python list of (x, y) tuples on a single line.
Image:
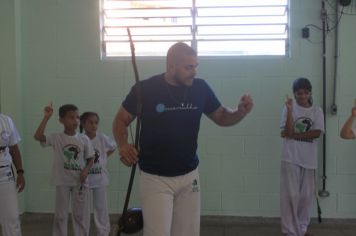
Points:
[(131, 220)]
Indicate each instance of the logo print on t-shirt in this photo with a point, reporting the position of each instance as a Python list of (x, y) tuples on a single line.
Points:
[(195, 186), (97, 155), (160, 108), (301, 125), (96, 169), (5, 136), (70, 153), (10, 176)]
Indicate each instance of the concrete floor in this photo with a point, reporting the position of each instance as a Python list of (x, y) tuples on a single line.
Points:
[(41, 225)]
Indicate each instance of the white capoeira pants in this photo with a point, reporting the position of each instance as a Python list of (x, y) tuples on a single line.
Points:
[(65, 194), (9, 213), (297, 194), (170, 205), (100, 210)]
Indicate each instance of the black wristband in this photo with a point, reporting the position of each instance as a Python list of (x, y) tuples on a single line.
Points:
[(20, 171)]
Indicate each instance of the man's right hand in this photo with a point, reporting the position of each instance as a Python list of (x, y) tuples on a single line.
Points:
[(128, 154)]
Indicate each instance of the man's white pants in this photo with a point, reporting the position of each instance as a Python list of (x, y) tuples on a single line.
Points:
[(79, 204), (9, 213), (170, 205), (296, 198)]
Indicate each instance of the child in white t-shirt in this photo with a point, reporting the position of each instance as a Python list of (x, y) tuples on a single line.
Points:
[(98, 174), (9, 184), (73, 158), (301, 124)]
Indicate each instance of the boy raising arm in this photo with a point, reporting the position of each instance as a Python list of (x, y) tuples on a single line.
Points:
[(73, 158)]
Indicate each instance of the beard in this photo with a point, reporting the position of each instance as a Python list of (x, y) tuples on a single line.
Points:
[(182, 81)]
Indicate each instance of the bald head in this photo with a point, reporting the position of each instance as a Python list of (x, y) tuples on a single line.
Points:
[(178, 51), (181, 65)]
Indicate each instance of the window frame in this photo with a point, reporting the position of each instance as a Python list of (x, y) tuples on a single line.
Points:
[(194, 41)]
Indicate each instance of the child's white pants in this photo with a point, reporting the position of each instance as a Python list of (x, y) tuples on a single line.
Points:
[(296, 198), (100, 209), (170, 205), (79, 204), (9, 213)]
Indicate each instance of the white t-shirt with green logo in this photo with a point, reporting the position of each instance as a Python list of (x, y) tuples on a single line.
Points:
[(70, 156), (302, 152), (98, 175)]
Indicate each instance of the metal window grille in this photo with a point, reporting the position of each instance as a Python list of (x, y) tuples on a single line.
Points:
[(212, 27)]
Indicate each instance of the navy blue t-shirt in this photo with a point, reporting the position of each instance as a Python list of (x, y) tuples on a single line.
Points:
[(170, 123)]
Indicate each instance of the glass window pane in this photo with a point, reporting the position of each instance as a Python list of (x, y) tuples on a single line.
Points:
[(241, 29), (241, 48), (215, 3), (148, 21), (242, 11), (141, 48), (130, 4), (148, 31), (241, 20), (147, 13)]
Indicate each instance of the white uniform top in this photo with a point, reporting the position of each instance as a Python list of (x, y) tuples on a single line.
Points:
[(354, 131), (302, 152), (98, 175), (70, 154), (8, 137)]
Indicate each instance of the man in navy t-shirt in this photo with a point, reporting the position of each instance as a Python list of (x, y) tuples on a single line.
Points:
[(172, 106)]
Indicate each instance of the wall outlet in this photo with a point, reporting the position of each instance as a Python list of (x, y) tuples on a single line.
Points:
[(305, 32)]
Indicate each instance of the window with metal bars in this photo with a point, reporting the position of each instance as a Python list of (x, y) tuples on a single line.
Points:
[(212, 27)]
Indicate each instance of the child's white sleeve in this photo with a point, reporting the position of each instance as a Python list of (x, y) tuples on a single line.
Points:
[(14, 137), (49, 140), (110, 144), (354, 131)]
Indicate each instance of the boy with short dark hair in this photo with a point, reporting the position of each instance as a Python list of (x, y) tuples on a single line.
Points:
[(73, 158)]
